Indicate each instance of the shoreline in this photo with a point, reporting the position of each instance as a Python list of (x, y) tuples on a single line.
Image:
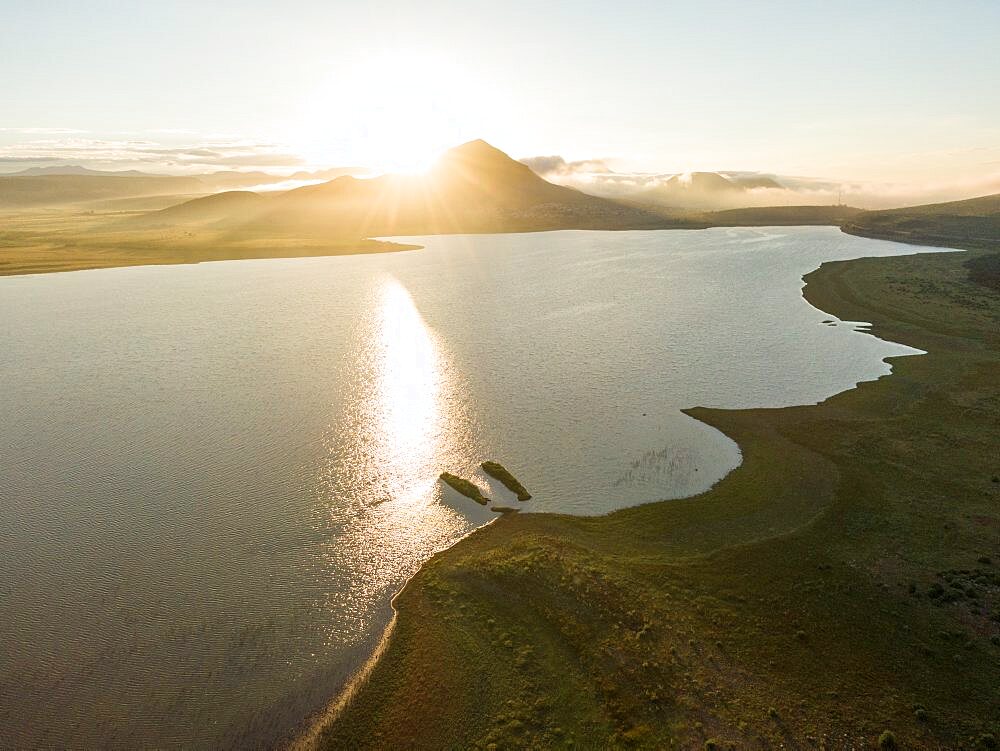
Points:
[(89, 248), (826, 290), (317, 725), (173, 255), (307, 737), (93, 263)]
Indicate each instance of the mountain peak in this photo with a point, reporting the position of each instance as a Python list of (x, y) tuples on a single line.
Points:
[(477, 146), (477, 154)]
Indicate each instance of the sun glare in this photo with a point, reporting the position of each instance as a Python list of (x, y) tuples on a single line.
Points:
[(393, 112)]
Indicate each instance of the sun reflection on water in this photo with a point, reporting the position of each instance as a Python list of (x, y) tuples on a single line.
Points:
[(408, 393), (406, 423)]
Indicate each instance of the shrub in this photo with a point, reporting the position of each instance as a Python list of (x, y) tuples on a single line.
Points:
[(887, 740)]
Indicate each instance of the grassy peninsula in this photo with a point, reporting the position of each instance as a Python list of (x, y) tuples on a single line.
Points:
[(499, 472), (465, 487), (841, 587)]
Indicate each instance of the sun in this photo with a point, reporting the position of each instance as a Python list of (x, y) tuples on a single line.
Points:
[(393, 111)]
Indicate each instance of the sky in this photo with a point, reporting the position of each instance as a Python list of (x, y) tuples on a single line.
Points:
[(887, 92)]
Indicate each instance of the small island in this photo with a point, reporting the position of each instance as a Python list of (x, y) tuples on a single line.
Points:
[(465, 487), (499, 472)]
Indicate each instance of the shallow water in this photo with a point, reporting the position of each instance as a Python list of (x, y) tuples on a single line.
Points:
[(213, 477)]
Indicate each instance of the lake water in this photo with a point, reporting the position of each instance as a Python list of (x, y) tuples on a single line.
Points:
[(213, 477)]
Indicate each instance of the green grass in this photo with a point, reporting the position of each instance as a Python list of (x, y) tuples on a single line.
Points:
[(499, 472), (770, 216), (465, 487), (68, 239), (973, 223), (791, 606)]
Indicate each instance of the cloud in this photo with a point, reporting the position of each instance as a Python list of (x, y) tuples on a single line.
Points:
[(148, 155), (754, 188), (556, 165), (23, 160), (43, 131)]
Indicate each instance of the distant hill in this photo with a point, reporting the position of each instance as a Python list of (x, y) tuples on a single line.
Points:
[(22, 191), (73, 184), (751, 182), (138, 203), (765, 216), (76, 169), (974, 222), (328, 174), (708, 182), (473, 188), (982, 206), (234, 179), (704, 190), (231, 207)]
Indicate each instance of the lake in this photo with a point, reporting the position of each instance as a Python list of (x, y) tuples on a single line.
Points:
[(214, 477)]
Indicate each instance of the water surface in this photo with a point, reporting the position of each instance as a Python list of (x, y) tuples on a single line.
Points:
[(213, 477)]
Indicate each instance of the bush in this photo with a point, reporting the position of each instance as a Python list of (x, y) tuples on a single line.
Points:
[(887, 740)]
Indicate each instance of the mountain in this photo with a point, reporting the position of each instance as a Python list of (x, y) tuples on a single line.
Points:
[(74, 184), (754, 182), (972, 207), (473, 188), (701, 182), (705, 190), (773, 216), (60, 189), (974, 222), (327, 174), (76, 169), (234, 179), (227, 208)]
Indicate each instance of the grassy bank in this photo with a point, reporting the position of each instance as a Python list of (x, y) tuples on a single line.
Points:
[(973, 223), (844, 581), (50, 240)]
